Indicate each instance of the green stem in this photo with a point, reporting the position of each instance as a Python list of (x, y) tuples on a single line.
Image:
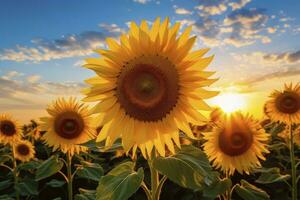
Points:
[(15, 172), (69, 175), (228, 192), (154, 180), (293, 165)]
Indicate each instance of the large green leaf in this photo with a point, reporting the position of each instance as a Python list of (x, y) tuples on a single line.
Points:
[(27, 187), (56, 183), (48, 168), (86, 194), (91, 171), (271, 175), (249, 192), (189, 168), (5, 184), (33, 164), (217, 188), (120, 183), (6, 197)]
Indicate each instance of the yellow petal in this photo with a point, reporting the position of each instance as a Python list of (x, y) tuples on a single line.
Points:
[(104, 105)]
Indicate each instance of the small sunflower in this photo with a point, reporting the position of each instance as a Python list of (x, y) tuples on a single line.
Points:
[(24, 150), (285, 134), (284, 106), (236, 143), (10, 131), (216, 115), (297, 136), (69, 124), (35, 133), (149, 86)]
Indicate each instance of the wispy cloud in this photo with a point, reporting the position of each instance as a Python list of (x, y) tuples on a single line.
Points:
[(141, 1), (290, 57), (211, 7), (238, 4), (182, 11), (67, 46)]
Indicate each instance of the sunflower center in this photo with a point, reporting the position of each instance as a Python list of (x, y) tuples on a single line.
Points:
[(234, 143), (149, 91), (23, 149), (7, 128), (69, 125), (288, 102)]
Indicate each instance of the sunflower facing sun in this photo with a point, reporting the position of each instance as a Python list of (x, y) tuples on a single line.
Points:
[(70, 124), (236, 143), (24, 150), (149, 86), (284, 106), (10, 131)]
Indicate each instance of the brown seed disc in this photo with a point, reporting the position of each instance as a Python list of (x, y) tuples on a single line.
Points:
[(23, 149), (7, 128), (148, 92), (235, 141), (288, 102), (69, 125)]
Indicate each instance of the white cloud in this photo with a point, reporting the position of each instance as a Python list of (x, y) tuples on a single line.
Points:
[(11, 74), (212, 9), (183, 11), (33, 78), (141, 1), (72, 45), (239, 4), (271, 29)]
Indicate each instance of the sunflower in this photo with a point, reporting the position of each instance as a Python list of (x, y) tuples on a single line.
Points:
[(9, 130), (24, 150), (236, 143), (216, 114), (68, 125), (297, 136), (285, 134), (284, 106), (149, 86), (35, 133)]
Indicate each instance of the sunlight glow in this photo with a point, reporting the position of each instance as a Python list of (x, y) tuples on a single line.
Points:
[(230, 102)]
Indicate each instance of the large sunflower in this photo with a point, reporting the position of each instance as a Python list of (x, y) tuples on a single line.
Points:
[(9, 130), (149, 86), (69, 124), (236, 143), (24, 150), (284, 106)]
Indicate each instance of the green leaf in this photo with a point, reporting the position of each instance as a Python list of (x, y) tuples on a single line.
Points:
[(5, 184), (249, 192), (27, 187), (271, 175), (55, 183), (48, 168), (91, 171), (217, 188), (120, 183), (189, 168), (86, 194), (6, 197), (29, 165)]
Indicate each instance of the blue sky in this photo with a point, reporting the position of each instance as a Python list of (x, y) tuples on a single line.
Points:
[(43, 43)]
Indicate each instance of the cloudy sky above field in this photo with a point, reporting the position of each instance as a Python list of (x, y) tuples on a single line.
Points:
[(43, 44)]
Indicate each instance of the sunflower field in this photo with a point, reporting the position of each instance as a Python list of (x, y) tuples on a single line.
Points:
[(140, 132)]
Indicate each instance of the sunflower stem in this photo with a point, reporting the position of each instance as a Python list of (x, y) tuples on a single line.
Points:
[(154, 180), (293, 165), (69, 175), (229, 191), (15, 172)]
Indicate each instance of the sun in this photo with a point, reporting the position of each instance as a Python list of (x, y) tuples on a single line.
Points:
[(229, 102)]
